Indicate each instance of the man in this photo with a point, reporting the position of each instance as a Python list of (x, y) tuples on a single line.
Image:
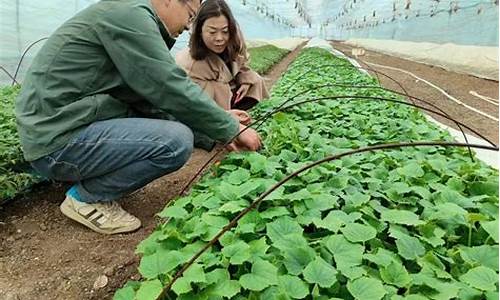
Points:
[(94, 105)]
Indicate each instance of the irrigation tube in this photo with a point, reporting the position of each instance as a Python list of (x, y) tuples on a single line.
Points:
[(282, 107), (255, 203), (437, 88), (22, 57), (346, 65), (389, 90), (8, 74)]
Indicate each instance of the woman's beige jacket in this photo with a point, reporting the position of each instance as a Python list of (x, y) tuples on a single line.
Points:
[(214, 77)]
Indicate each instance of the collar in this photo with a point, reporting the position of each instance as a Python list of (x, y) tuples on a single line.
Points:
[(167, 37)]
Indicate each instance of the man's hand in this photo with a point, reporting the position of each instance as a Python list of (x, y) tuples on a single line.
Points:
[(241, 92), (249, 140), (242, 116)]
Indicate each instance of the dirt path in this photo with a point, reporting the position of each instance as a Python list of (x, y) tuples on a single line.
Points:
[(44, 255), (457, 85)]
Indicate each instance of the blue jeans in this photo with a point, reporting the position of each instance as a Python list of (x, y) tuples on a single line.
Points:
[(112, 158)]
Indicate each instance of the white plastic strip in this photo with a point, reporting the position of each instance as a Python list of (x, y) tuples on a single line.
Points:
[(488, 157), (437, 88), (487, 99)]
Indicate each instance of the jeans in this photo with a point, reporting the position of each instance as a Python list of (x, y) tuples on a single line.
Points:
[(112, 158)]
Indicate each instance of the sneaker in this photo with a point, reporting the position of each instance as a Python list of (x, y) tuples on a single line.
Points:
[(106, 217)]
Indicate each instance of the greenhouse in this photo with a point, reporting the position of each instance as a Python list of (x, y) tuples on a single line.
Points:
[(249, 149)]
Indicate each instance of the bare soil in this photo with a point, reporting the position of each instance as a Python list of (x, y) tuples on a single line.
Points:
[(455, 84), (44, 255)]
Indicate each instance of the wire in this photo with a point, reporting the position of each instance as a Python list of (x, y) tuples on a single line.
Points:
[(22, 57), (256, 202)]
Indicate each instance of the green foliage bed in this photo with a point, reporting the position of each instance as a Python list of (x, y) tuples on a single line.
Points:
[(12, 180), (263, 58), (416, 223)]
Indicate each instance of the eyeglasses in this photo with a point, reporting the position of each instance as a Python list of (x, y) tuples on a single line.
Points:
[(191, 11)]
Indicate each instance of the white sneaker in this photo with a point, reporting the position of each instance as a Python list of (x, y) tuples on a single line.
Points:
[(105, 217)]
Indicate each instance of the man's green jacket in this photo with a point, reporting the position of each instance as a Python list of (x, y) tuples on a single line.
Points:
[(111, 60)]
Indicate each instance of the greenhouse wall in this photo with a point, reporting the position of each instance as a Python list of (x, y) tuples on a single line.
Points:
[(25, 21), (465, 22)]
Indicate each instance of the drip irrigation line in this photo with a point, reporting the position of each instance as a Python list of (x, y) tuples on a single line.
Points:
[(256, 202), (392, 91), (22, 57), (387, 100), (282, 108), (442, 91), (347, 65), (485, 98), (8, 74)]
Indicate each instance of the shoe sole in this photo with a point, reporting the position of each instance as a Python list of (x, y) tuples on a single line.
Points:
[(69, 212)]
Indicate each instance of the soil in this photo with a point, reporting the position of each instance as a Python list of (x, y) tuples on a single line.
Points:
[(44, 255), (455, 84)]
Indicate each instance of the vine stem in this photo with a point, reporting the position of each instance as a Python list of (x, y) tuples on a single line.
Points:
[(254, 204)]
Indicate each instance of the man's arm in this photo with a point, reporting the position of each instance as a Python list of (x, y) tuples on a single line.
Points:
[(133, 41)]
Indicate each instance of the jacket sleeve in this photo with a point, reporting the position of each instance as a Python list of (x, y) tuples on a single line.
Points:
[(132, 39)]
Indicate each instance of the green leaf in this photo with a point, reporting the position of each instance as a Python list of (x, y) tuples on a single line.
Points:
[(382, 258), (222, 286), (226, 288), (239, 176), (126, 293), (263, 274), (149, 290), (195, 273), (483, 255), (258, 249), (491, 228), (395, 274), (215, 221), (257, 162), (227, 192), (355, 232), (357, 199), (346, 254), (273, 212), (409, 247), (285, 233), (161, 262), (181, 286), (173, 212), (234, 206), (296, 259), (321, 273), (293, 286), (401, 217), (321, 202), (366, 289), (482, 278), (411, 170), (237, 253)]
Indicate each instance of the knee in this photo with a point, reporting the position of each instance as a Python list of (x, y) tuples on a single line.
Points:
[(185, 141), (179, 148)]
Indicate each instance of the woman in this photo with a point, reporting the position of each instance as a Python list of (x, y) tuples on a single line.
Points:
[(217, 60)]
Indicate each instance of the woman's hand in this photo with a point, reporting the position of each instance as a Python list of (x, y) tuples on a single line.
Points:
[(249, 140), (242, 116), (242, 92)]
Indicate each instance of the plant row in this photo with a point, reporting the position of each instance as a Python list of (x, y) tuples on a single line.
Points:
[(263, 58), (416, 223), (15, 175), (13, 179)]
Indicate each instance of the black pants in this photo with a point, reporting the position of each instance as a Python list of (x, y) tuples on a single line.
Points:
[(244, 104)]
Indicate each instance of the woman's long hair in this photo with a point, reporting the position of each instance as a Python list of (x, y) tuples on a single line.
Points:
[(209, 9)]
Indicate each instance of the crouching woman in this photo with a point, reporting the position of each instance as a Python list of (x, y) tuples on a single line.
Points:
[(218, 61)]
